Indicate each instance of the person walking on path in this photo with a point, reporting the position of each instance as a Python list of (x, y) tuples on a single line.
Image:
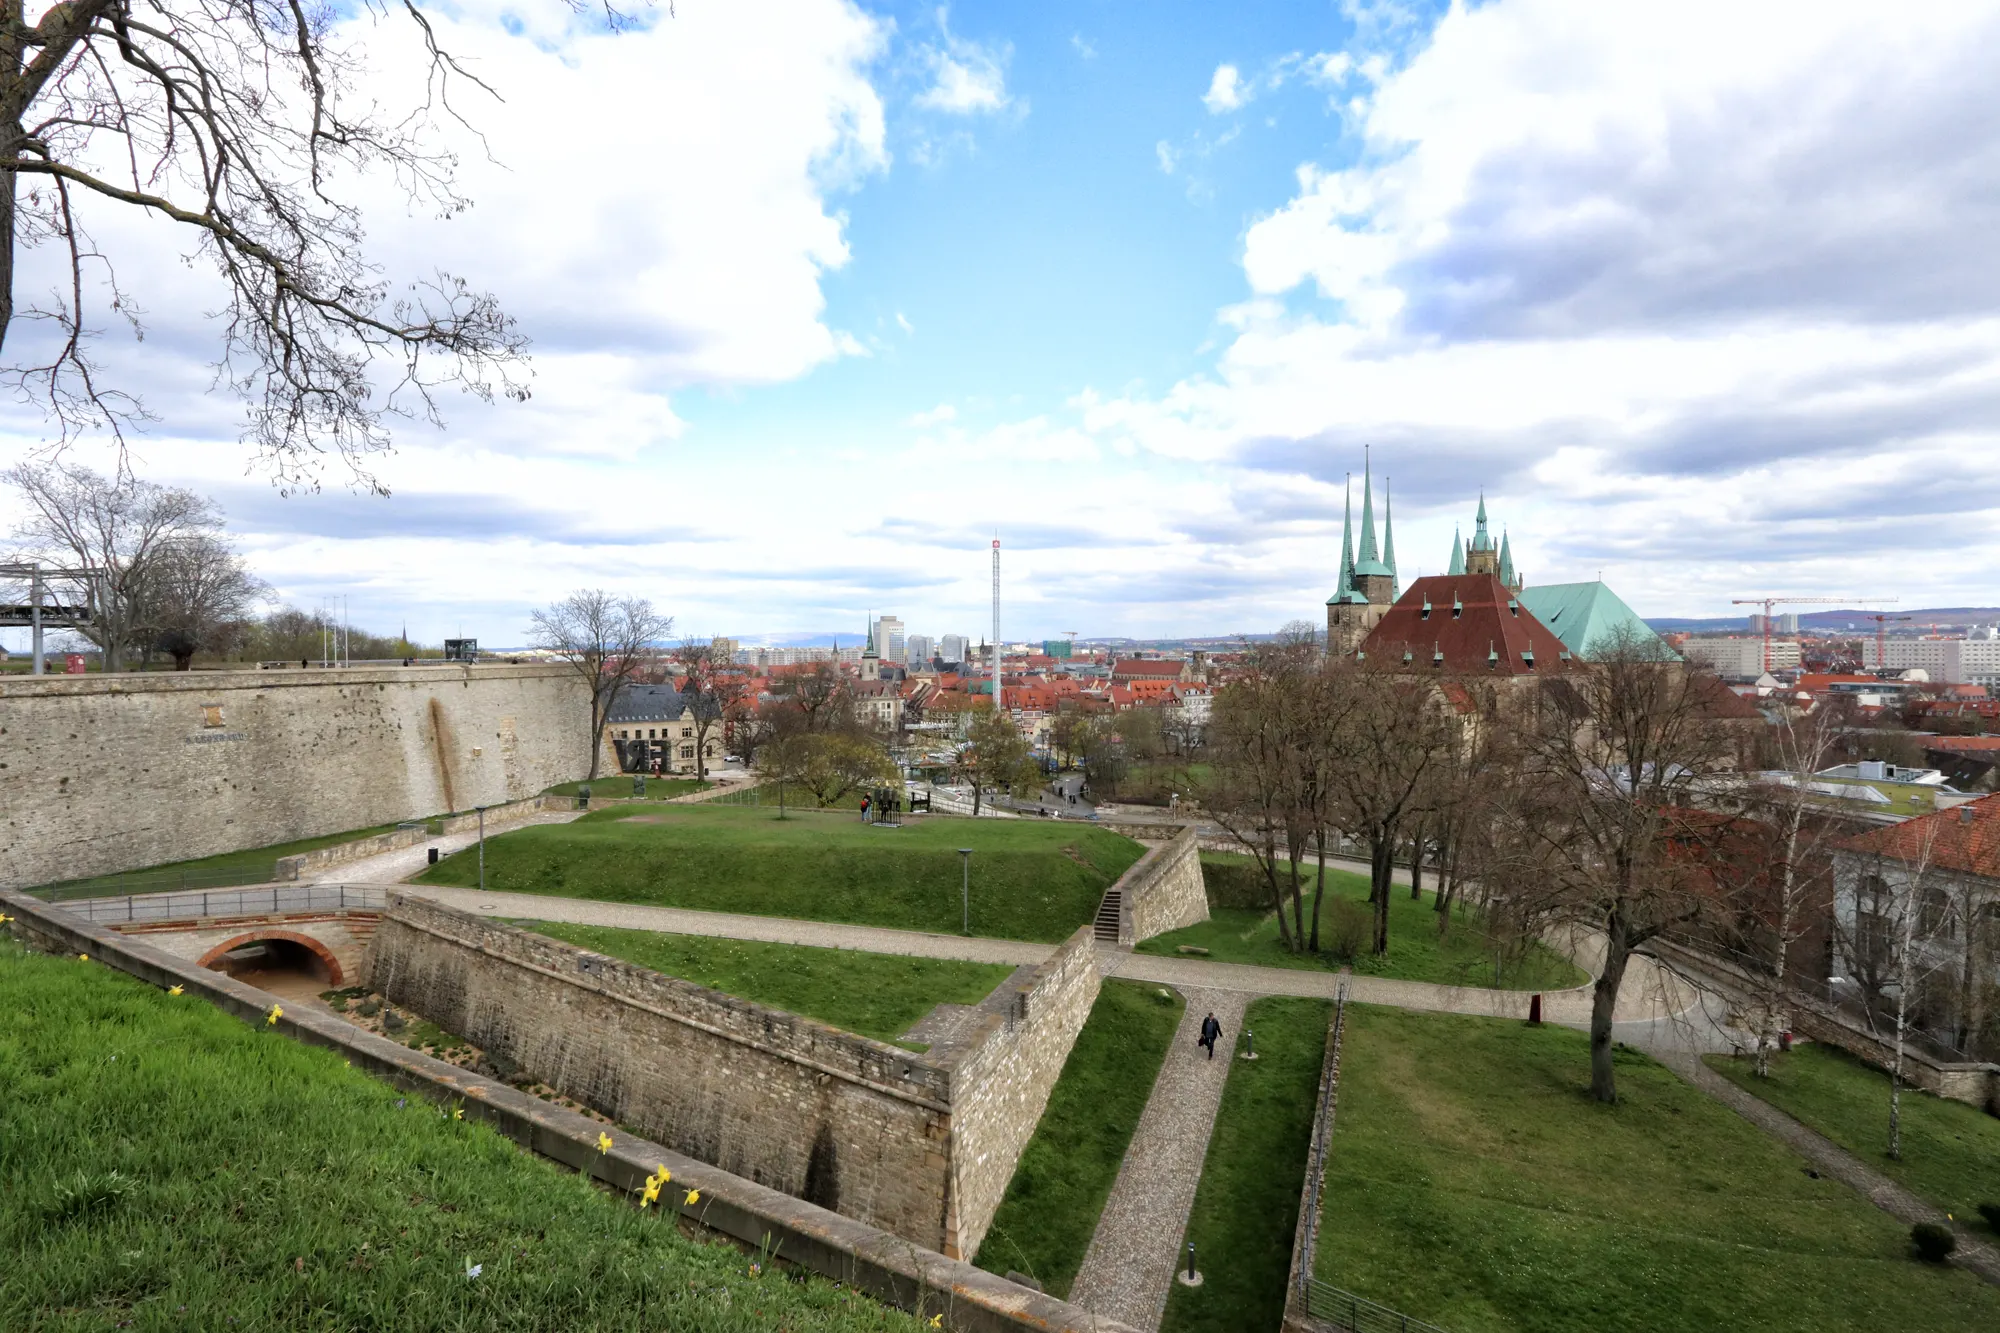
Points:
[(1211, 1032)]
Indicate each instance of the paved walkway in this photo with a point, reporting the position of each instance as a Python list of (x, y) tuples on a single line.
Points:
[(397, 866), (1129, 1269)]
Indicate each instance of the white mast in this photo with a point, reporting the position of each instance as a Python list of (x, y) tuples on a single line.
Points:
[(996, 624)]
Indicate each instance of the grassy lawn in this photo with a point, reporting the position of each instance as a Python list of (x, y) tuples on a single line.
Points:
[(1461, 958), (873, 994), (620, 785), (1951, 1151), (252, 866), (170, 1167), (1473, 1183), (1247, 1206), (1030, 880), (1065, 1174)]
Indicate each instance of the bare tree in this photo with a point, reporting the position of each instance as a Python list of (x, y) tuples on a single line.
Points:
[(1611, 761), (704, 667), (997, 758), (1262, 791), (818, 694), (606, 639), (240, 122), (118, 534), (200, 590)]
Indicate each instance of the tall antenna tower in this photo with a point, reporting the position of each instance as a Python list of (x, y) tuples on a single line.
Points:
[(996, 624)]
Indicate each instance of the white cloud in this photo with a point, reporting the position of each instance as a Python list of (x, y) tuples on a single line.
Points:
[(937, 416), (1225, 90), (1083, 47), (968, 78), (1164, 152)]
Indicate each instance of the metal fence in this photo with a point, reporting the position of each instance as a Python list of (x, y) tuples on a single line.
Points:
[(275, 899), (1345, 1310), (1308, 1239)]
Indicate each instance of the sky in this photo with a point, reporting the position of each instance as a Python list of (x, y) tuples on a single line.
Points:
[(823, 296)]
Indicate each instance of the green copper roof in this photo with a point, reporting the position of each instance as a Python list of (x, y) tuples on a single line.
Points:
[(1388, 532), (1482, 540), (1506, 560), (1588, 617), (1457, 553), (1346, 583), (1369, 561)]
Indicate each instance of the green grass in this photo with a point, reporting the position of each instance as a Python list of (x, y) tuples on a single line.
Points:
[(253, 865), (1030, 880), (1474, 1184), (872, 994), (1951, 1151), (170, 1167), (1247, 1206), (1461, 958), (1065, 1173), (619, 785)]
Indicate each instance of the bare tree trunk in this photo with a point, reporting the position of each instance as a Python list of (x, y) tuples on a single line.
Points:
[(1417, 866), (1285, 936), (1319, 888), (1382, 874), (1603, 1007), (10, 52), (1293, 852)]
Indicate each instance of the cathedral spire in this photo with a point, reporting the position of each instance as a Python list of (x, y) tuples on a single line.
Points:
[(1482, 540), (1506, 560), (1347, 544), (1388, 536), (1457, 552), (1368, 555)]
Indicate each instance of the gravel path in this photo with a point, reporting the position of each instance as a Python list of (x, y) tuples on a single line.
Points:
[(397, 866), (1129, 1268)]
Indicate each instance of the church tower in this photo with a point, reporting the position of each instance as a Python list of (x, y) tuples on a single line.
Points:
[(871, 658), (1368, 582), (1481, 556)]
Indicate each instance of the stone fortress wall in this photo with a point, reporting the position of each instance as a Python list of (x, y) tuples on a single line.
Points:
[(1164, 890), (919, 1145), (104, 773)]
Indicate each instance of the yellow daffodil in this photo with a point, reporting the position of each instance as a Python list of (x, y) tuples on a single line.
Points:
[(652, 1194), (662, 1172), (83, 958), (176, 990), (937, 1321), (603, 1142), (277, 1012), (4, 918), (458, 1113), (693, 1196)]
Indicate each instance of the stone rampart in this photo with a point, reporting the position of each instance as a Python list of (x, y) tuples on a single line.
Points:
[(1001, 1083), (920, 1145), (106, 773), (1163, 890)]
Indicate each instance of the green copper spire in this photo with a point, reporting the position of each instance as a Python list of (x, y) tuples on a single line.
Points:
[(1388, 533), (1346, 583), (1506, 560), (1368, 561), (869, 651), (1457, 553), (1482, 540)]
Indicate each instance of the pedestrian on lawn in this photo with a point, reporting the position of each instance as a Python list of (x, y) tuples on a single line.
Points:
[(1211, 1032)]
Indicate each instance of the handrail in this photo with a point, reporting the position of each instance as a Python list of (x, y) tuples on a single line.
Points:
[(196, 904)]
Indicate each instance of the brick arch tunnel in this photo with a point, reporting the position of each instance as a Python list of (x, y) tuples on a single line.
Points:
[(293, 951)]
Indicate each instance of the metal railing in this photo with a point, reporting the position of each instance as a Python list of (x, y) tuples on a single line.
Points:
[(1322, 1134), (273, 900), (114, 886), (1345, 1310)]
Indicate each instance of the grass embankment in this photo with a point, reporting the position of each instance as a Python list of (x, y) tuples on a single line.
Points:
[(1474, 1184), (253, 865), (1236, 934), (1066, 1172), (1030, 880), (1951, 1151), (170, 1167), (1247, 1206), (619, 786), (872, 994)]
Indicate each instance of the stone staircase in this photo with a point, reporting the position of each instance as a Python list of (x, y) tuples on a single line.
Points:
[(1108, 912)]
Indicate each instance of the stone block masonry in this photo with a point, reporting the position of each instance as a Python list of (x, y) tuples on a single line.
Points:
[(1163, 890), (106, 773), (919, 1145)]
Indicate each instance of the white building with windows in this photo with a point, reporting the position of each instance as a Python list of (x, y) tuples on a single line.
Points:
[(1741, 659), (1945, 661)]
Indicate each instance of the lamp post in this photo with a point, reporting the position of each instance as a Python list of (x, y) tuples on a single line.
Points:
[(482, 847), (965, 891)]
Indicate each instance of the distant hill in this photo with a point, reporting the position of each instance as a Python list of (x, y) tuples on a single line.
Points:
[(1857, 620)]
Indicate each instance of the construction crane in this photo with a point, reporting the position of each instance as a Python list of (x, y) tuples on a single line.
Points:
[(1768, 602), (1882, 637)]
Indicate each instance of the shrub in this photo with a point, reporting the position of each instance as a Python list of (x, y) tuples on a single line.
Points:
[(1991, 1212), (1344, 927), (1934, 1241)]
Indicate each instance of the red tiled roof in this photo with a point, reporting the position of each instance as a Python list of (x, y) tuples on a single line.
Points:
[(1962, 744), (1158, 669), (1966, 839), (1466, 624)]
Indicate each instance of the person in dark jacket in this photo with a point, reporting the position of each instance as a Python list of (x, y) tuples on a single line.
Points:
[(1211, 1032)]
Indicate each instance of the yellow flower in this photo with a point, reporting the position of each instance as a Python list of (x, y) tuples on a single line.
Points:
[(277, 1012), (458, 1113), (652, 1194), (664, 1174), (176, 990), (83, 958), (693, 1196), (4, 918), (603, 1142), (937, 1321)]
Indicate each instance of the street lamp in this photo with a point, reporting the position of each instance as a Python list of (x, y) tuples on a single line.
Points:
[(965, 891), (482, 847)]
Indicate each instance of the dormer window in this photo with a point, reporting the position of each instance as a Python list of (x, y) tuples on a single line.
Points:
[(1513, 607), (1528, 658), (1564, 655), (1427, 609), (1406, 655), (1457, 608), (1492, 656)]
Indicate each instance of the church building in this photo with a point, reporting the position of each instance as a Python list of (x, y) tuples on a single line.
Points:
[(1368, 583)]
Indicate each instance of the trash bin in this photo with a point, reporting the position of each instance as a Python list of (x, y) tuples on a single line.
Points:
[(434, 856)]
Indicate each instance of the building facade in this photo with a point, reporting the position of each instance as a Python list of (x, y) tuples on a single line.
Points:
[(655, 729), (1945, 661), (1742, 659)]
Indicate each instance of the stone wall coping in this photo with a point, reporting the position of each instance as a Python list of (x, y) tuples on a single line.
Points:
[(874, 1261), (401, 913), (198, 682), (1321, 1142)]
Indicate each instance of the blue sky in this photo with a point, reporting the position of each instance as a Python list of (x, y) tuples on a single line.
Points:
[(825, 294)]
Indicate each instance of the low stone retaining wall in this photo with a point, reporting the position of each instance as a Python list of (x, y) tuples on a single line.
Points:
[(919, 1145), (1163, 890), (1306, 1232), (293, 868), (871, 1260), (495, 814)]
